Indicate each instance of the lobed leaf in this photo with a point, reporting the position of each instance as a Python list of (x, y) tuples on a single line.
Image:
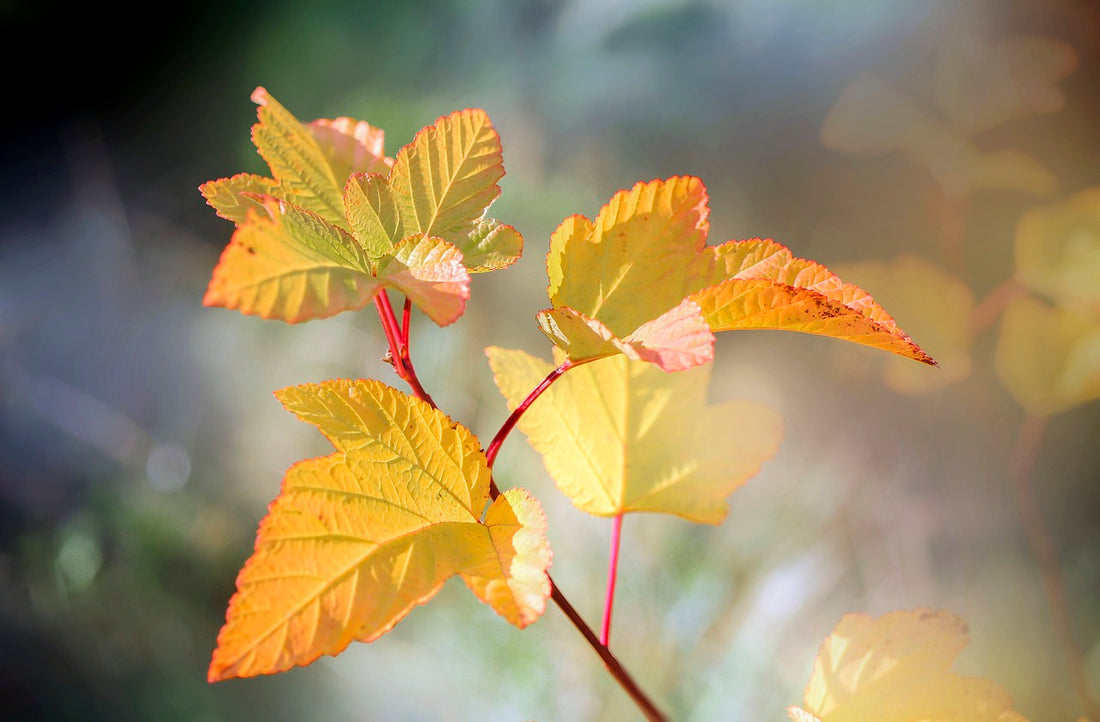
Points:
[(351, 146), (621, 436), (445, 179), (372, 215), (490, 246), (643, 272), (356, 539), (234, 197), (897, 669), (296, 160), (290, 264)]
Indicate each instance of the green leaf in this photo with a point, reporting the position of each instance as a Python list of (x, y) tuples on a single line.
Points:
[(290, 264), (372, 215), (490, 246), (234, 197)]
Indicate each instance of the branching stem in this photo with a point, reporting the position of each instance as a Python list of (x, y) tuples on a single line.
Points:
[(612, 574), (398, 337)]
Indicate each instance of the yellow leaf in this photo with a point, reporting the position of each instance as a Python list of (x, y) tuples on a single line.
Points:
[(356, 539), (897, 669), (642, 281), (288, 263), (445, 179), (622, 436), (1058, 251), (372, 214), (351, 146), (233, 197), (296, 160), (430, 273), (1048, 357)]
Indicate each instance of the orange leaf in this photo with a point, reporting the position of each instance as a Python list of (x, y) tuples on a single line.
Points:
[(356, 539)]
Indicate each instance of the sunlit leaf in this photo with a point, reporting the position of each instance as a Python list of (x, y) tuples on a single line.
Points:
[(622, 436), (1058, 251), (931, 303), (296, 160), (351, 146), (897, 668), (430, 273), (445, 179), (641, 280), (372, 214), (356, 539), (233, 197), (288, 263), (491, 245), (1048, 357)]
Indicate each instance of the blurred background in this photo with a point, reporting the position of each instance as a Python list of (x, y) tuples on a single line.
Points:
[(943, 155)]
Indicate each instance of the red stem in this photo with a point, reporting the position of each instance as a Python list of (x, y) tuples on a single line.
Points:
[(613, 666), (406, 318), (510, 422), (612, 574), (1046, 556), (399, 348)]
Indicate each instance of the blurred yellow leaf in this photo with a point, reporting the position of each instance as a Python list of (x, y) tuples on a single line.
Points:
[(981, 82), (931, 304), (1048, 357), (873, 117), (623, 436), (1058, 251), (356, 539), (897, 669)]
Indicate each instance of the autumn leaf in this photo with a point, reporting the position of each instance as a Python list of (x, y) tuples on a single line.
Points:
[(640, 280), (356, 539), (897, 669), (1048, 357), (415, 223), (620, 436)]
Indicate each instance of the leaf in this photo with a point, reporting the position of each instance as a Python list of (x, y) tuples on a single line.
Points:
[(290, 264), (233, 197), (622, 436), (490, 246), (351, 146), (356, 539), (372, 215), (1048, 357), (641, 280), (296, 160), (430, 273), (1058, 251), (897, 669), (931, 303), (445, 179)]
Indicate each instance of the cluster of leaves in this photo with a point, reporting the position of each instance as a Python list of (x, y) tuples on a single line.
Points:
[(407, 499)]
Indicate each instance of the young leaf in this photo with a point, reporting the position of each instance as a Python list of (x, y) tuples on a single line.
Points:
[(372, 214), (233, 197), (430, 273), (897, 669), (290, 264), (351, 146), (296, 160), (641, 280), (622, 436), (445, 180), (356, 539)]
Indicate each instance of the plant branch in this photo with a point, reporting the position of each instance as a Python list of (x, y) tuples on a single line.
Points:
[(399, 348), (406, 320), (1046, 556), (612, 574), (649, 709), (993, 305)]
